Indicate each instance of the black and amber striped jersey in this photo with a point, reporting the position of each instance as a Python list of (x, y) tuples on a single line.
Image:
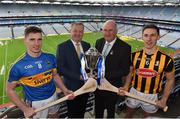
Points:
[(149, 70)]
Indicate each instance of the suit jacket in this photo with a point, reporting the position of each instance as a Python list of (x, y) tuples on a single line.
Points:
[(68, 64), (117, 63)]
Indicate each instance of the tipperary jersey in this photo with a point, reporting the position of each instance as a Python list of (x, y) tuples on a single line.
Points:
[(35, 76), (149, 70)]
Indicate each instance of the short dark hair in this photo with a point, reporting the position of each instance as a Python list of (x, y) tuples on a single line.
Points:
[(152, 26), (32, 29)]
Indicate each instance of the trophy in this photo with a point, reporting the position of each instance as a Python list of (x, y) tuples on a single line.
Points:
[(92, 56)]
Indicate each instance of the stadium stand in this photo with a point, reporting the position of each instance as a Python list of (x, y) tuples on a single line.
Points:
[(57, 19), (170, 13)]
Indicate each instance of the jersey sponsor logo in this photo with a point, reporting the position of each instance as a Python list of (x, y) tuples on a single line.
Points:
[(28, 66), (38, 79), (144, 72), (42, 81)]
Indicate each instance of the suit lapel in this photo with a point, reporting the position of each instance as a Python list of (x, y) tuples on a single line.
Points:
[(113, 47), (83, 47), (102, 46), (72, 48)]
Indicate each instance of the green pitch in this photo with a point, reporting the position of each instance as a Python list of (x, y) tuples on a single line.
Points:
[(11, 50)]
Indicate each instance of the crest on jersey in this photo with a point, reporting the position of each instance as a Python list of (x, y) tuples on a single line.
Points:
[(157, 63), (39, 65), (48, 62)]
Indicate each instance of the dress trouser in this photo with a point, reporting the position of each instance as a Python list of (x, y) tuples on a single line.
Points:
[(77, 106), (105, 100)]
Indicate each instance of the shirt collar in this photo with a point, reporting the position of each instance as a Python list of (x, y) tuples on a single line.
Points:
[(29, 56), (112, 42), (74, 43)]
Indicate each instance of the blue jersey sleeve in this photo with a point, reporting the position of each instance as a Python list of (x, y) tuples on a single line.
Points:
[(14, 74)]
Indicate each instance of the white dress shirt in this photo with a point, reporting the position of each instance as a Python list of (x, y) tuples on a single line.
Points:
[(109, 48), (74, 43)]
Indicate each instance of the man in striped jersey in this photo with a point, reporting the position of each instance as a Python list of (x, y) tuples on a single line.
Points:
[(149, 66)]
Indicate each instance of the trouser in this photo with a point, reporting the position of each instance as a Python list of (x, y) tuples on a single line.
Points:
[(77, 107), (105, 100)]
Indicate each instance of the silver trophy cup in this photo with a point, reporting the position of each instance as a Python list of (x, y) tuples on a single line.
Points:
[(92, 56)]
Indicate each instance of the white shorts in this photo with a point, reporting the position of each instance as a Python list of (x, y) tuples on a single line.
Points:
[(50, 110), (134, 103)]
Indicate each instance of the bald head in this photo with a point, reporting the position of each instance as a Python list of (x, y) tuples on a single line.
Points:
[(109, 30)]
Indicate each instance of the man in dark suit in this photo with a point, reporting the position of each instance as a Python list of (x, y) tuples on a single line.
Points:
[(68, 60), (117, 64)]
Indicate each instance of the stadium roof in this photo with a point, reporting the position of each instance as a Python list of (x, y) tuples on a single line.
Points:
[(99, 2)]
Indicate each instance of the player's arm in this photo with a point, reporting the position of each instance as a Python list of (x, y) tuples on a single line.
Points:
[(59, 83), (167, 89), (168, 86), (10, 90)]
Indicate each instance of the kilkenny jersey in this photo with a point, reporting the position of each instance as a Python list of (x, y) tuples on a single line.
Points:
[(149, 70), (35, 76)]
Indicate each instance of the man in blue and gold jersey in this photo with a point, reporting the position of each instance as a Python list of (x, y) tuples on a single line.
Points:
[(36, 73), (148, 68)]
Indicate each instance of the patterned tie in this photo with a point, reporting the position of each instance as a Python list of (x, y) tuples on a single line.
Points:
[(106, 49), (78, 50)]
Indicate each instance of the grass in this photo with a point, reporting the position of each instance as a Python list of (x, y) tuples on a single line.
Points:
[(13, 49)]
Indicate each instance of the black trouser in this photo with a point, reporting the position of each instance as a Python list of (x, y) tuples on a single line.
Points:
[(105, 100), (77, 107)]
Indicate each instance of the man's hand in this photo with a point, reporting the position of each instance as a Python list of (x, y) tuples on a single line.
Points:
[(81, 78), (69, 92), (161, 103), (122, 90), (28, 112), (94, 76)]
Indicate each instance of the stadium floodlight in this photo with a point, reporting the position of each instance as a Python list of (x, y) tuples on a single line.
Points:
[(86, 4), (116, 4), (67, 3), (106, 4), (97, 4), (6, 1), (33, 2), (137, 4), (125, 4), (146, 4), (21, 2), (120, 3), (56, 3), (45, 2), (170, 4), (157, 4), (75, 3)]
